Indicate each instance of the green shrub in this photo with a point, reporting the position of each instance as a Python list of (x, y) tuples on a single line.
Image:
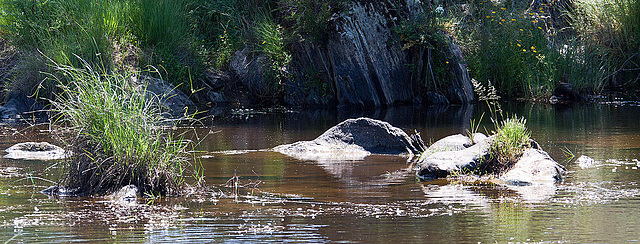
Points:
[(115, 132), (511, 49), (311, 18)]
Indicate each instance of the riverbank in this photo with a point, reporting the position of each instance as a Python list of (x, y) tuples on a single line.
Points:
[(333, 53)]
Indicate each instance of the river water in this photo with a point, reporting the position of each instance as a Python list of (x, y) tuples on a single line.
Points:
[(280, 199)]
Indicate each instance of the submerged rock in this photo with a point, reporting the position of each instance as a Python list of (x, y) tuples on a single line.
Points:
[(35, 151), (353, 139), (127, 195), (586, 162), (58, 191)]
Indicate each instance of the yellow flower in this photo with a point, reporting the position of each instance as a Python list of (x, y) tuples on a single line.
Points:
[(539, 27), (513, 19), (532, 47), (502, 20), (519, 45), (503, 8), (534, 21), (263, 42), (493, 12), (488, 17), (447, 62), (524, 50), (535, 51), (521, 30)]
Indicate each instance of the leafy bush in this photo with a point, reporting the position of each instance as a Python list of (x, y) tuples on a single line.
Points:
[(511, 49)]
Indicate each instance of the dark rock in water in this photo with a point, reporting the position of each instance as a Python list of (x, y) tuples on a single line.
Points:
[(353, 139), (535, 167), (434, 98), (452, 153), (20, 106), (35, 151), (217, 98), (174, 101), (565, 93), (127, 195)]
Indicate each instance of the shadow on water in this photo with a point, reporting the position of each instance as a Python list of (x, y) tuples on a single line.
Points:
[(376, 199)]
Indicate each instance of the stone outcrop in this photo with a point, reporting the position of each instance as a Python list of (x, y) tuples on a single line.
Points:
[(452, 153), (174, 102), (35, 151), (362, 63), (458, 154), (535, 167), (353, 139)]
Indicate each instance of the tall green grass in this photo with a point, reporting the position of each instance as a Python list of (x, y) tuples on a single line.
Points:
[(102, 32), (609, 35), (115, 132)]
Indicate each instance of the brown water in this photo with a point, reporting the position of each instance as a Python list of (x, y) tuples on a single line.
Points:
[(369, 201)]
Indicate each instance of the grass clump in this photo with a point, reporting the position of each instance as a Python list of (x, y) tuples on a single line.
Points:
[(608, 33), (510, 140), (116, 136)]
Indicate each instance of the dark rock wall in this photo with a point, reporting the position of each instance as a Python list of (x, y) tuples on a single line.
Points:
[(360, 65)]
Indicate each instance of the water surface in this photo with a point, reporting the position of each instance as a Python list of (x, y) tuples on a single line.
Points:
[(374, 200)]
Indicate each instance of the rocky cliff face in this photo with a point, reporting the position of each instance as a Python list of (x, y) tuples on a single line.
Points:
[(361, 64)]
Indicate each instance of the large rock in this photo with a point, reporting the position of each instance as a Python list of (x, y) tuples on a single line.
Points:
[(360, 63), (367, 70), (35, 151), (250, 69), (353, 139), (452, 153), (455, 153), (462, 89), (535, 167)]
